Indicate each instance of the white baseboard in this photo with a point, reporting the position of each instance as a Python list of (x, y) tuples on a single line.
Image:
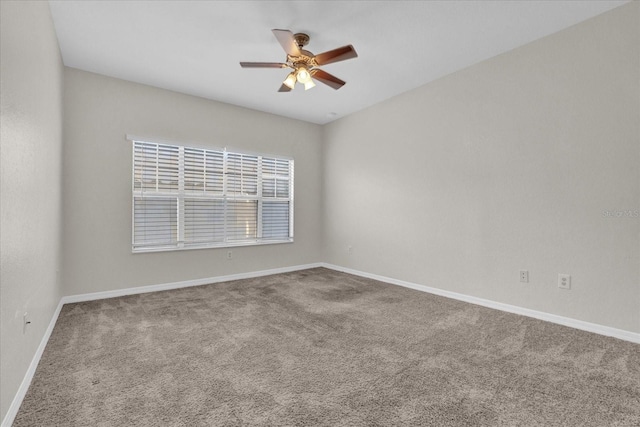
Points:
[(31, 370), (565, 321), (184, 284)]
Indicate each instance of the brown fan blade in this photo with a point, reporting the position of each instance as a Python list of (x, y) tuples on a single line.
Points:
[(284, 88), (328, 79), (335, 55), (287, 41), (262, 65)]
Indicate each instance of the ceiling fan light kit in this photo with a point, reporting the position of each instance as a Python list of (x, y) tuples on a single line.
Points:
[(290, 81), (302, 75), (308, 85), (304, 63)]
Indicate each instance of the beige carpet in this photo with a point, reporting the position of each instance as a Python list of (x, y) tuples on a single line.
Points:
[(322, 348)]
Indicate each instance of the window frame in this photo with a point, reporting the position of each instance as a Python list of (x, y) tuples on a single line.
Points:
[(181, 196)]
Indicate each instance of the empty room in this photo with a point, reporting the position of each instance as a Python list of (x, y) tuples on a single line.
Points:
[(320, 213)]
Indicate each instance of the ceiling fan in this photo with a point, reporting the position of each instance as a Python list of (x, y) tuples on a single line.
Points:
[(304, 63)]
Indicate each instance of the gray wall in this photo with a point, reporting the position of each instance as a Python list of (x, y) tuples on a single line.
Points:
[(98, 112), (503, 166), (30, 185), (506, 165)]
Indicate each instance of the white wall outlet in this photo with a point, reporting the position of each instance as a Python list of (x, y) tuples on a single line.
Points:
[(349, 249), (25, 322), (229, 255), (524, 276), (564, 281)]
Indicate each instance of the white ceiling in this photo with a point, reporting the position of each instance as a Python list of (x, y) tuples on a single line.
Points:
[(194, 47)]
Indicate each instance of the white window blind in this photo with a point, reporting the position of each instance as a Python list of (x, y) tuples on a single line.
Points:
[(185, 197)]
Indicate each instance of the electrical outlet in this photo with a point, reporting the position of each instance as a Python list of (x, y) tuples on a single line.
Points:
[(524, 276), (349, 249), (564, 281), (229, 255)]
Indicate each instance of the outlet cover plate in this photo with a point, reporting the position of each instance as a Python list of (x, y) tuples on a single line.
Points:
[(564, 281)]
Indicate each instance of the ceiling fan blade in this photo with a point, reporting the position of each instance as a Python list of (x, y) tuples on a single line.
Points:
[(284, 88), (328, 79), (335, 55), (287, 41), (262, 65)]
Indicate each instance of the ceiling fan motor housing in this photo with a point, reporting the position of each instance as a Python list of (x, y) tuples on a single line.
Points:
[(306, 58)]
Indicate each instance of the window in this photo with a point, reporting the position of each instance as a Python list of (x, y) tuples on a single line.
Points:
[(187, 198)]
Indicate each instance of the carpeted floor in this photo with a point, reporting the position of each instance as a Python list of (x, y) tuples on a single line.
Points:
[(322, 348)]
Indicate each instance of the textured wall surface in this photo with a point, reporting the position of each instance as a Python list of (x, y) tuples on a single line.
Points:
[(508, 165), (99, 112), (30, 185)]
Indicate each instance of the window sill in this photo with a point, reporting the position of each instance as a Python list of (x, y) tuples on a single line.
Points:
[(209, 246)]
